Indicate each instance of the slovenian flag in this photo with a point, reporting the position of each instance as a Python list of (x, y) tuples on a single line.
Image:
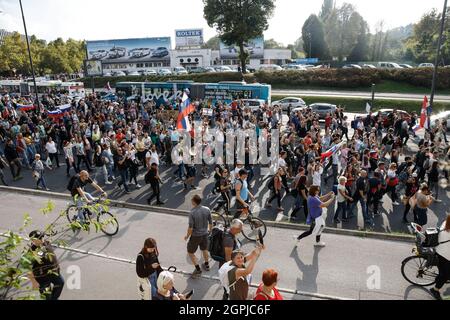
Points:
[(186, 109), (423, 116), (331, 152), (59, 112), (22, 107)]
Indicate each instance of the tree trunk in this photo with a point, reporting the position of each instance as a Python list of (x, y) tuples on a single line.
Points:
[(243, 57)]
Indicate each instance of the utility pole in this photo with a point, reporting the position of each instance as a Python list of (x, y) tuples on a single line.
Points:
[(31, 59), (438, 56)]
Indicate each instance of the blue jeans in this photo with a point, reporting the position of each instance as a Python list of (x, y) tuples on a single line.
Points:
[(47, 281), (124, 179), (342, 206), (79, 201), (365, 210), (41, 181)]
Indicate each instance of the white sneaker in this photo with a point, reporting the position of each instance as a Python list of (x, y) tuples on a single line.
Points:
[(138, 186), (320, 244), (108, 183)]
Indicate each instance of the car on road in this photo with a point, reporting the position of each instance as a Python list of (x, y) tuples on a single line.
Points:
[(322, 109), (270, 67), (139, 53), (160, 52), (295, 67), (352, 66), (164, 72), (387, 116), (134, 73), (426, 65), (253, 104), (223, 69), (117, 52), (179, 71), (406, 66), (108, 74), (389, 65), (294, 102), (368, 66), (148, 72), (443, 117), (119, 74), (99, 54)]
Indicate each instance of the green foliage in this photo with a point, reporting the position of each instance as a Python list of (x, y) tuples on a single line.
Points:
[(56, 57), (213, 43), (239, 21), (314, 43)]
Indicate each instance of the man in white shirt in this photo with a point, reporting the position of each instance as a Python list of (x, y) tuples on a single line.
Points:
[(52, 151), (152, 157)]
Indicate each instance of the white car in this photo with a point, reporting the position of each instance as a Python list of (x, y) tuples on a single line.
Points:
[(99, 54), (270, 67), (406, 66), (148, 72), (368, 66), (164, 72), (352, 66), (224, 69), (134, 73), (108, 74), (389, 65), (290, 101), (253, 104), (119, 74), (442, 117), (179, 71), (426, 65), (294, 67)]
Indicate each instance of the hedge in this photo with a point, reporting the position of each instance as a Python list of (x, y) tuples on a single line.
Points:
[(359, 105), (329, 78)]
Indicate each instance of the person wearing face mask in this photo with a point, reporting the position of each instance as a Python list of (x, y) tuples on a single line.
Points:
[(147, 269)]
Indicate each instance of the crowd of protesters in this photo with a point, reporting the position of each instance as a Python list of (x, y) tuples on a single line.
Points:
[(115, 141)]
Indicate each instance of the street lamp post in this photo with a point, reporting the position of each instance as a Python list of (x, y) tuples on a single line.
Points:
[(29, 55), (438, 55), (373, 95)]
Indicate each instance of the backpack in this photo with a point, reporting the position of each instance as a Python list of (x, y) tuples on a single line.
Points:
[(72, 182), (215, 246), (224, 277)]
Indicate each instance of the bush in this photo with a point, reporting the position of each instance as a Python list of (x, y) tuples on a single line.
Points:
[(329, 78)]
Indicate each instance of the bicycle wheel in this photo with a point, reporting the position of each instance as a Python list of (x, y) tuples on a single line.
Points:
[(415, 271), (109, 224), (251, 227), (72, 214), (219, 221)]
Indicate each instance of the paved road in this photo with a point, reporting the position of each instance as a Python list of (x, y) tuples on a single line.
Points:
[(340, 269), (357, 95)]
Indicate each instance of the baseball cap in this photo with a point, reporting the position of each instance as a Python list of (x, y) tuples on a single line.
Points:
[(36, 234)]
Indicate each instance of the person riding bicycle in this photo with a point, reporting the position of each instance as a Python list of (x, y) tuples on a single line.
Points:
[(243, 194), (81, 197)]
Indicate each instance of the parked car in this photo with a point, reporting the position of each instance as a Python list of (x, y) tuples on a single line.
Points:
[(294, 67), (322, 109), (119, 74), (309, 66), (134, 73), (389, 65), (148, 72), (223, 69), (108, 74), (406, 66), (179, 71), (164, 72), (160, 52), (368, 66), (117, 52), (352, 66), (253, 104), (290, 101), (387, 116), (99, 54), (426, 65), (139, 53), (443, 117), (270, 67)]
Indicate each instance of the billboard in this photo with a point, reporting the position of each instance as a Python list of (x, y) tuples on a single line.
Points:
[(188, 38), (93, 68), (254, 47), (129, 50)]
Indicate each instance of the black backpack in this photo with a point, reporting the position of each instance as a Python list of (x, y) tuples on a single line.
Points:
[(72, 182), (215, 247)]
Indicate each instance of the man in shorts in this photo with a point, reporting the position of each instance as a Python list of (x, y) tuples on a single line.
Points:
[(200, 225)]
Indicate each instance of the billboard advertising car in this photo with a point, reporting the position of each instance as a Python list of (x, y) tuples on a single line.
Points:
[(189, 38), (129, 50), (254, 47)]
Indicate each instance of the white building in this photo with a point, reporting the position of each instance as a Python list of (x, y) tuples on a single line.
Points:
[(271, 56), (190, 58)]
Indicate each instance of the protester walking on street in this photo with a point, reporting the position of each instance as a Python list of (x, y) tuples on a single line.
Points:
[(38, 171), (200, 225), (12, 157), (154, 180)]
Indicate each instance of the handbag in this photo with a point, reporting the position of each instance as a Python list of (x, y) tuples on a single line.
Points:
[(392, 182), (36, 175)]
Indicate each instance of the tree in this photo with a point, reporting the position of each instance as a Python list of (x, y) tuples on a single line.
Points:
[(213, 43), (327, 8), (239, 21), (272, 44), (314, 39), (361, 50), (14, 55)]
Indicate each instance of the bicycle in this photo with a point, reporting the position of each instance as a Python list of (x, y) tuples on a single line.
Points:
[(421, 268), (252, 229), (106, 220)]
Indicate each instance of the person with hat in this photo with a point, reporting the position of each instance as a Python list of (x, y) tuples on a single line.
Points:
[(46, 274)]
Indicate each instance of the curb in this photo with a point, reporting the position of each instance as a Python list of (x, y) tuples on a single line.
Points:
[(188, 274), (175, 212)]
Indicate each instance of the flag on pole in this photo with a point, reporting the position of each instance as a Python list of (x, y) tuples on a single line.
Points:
[(25, 107), (186, 109), (331, 152), (423, 115)]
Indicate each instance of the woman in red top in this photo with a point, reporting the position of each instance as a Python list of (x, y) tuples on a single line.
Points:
[(267, 290)]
